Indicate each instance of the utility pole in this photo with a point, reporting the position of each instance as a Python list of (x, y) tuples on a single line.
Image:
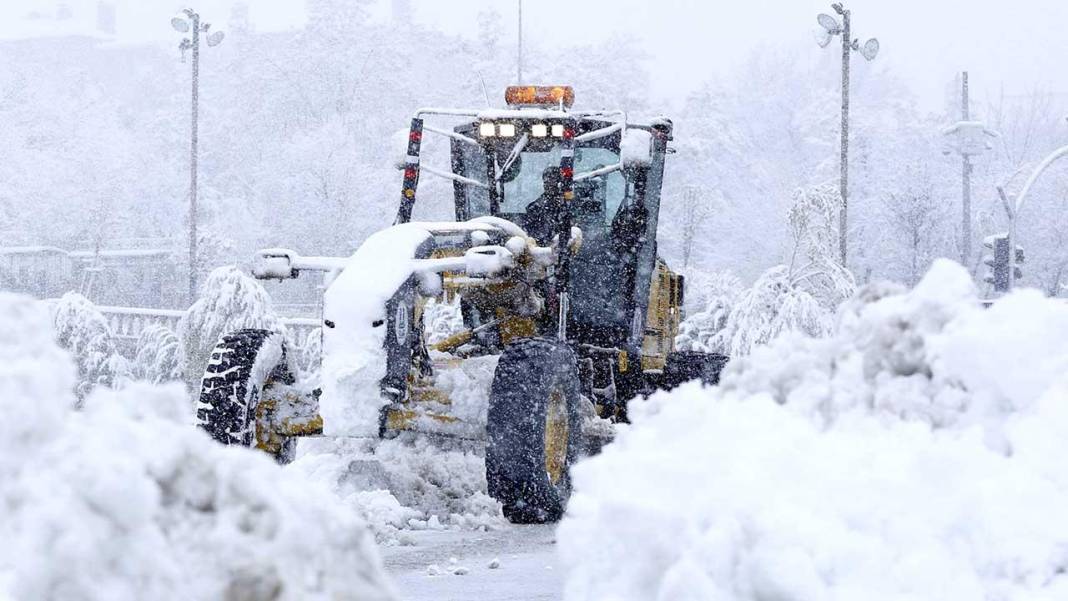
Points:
[(843, 217), (966, 183), (191, 21), (969, 138), (519, 51), (831, 28)]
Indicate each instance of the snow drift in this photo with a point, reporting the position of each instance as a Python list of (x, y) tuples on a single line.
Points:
[(126, 500), (915, 453)]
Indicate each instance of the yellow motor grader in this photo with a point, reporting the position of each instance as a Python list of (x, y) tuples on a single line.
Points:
[(552, 262)]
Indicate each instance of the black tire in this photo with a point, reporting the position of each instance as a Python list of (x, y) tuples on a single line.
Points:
[(233, 384), (536, 382), (683, 366)]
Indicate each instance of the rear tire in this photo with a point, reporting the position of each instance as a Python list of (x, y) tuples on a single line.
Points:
[(243, 364), (534, 430)]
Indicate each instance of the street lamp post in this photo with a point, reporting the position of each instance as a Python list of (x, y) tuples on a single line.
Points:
[(1013, 208), (831, 28), (190, 23)]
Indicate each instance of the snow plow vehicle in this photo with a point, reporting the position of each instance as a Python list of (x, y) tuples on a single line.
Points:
[(552, 266)]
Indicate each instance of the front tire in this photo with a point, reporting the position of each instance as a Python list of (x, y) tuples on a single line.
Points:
[(534, 430), (242, 366)]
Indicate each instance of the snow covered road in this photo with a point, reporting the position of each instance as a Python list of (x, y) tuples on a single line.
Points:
[(526, 565)]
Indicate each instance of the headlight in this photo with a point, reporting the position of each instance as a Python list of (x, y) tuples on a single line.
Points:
[(506, 130), (539, 130), (487, 130), (558, 130)]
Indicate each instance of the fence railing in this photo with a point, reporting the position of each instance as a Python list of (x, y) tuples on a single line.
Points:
[(128, 323)]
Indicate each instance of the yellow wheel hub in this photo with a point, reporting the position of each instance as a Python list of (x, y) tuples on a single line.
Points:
[(556, 435)]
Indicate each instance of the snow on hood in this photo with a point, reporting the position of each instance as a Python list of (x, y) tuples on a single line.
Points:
[(915, 453), (126, 500)]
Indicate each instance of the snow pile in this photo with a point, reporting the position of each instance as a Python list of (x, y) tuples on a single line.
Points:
[(83, 331), (467, 386), (407, 483), (441, 320), (125, 501), (915, 453)]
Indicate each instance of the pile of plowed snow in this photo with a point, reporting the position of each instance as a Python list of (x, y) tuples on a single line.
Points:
[(126, 500), (403, 484), (918, 452)]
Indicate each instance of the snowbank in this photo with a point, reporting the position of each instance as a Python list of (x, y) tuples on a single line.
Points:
[(915, 453), (407, 483), (124, 500)]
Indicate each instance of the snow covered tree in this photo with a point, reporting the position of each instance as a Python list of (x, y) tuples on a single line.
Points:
[(802, 296), (229, 300), (83, 331), (814, 266), (916, 226), (158, 356)]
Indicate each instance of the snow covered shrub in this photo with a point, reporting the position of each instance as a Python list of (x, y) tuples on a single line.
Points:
[(703, 330), (123, 500), (773, 305), (84, 333), (158, 356), (229, 300), (916, 452)]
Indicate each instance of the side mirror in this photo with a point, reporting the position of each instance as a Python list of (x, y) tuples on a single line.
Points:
[(274, 264)]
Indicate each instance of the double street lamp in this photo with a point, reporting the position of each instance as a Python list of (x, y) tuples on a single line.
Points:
[(189, 22), (832, 28)]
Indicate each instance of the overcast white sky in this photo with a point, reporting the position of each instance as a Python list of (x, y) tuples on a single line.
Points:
[(1018, 44)]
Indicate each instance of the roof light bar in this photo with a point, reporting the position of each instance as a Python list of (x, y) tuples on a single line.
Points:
[(539, 96)]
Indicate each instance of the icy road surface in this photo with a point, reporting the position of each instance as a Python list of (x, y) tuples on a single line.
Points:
[(525, 558)]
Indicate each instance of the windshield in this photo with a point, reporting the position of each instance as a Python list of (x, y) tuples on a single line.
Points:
[(599, 197)]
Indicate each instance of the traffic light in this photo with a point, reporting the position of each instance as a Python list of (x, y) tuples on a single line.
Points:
[(998, 262)]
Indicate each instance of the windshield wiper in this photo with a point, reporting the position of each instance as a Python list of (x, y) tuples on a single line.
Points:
[(512, 156)]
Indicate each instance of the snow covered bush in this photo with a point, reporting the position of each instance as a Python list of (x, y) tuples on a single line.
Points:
[(703, 330), (82, 330), (916, 452), (229, 300), (124, 500), (158, 356)]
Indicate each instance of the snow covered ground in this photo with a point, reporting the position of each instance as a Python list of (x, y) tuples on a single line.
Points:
[(513, 563)]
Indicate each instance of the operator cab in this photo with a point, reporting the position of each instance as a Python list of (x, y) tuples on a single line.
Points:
[(505, 164)]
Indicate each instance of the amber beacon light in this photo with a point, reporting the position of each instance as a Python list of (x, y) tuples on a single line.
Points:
[(539, 96)]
